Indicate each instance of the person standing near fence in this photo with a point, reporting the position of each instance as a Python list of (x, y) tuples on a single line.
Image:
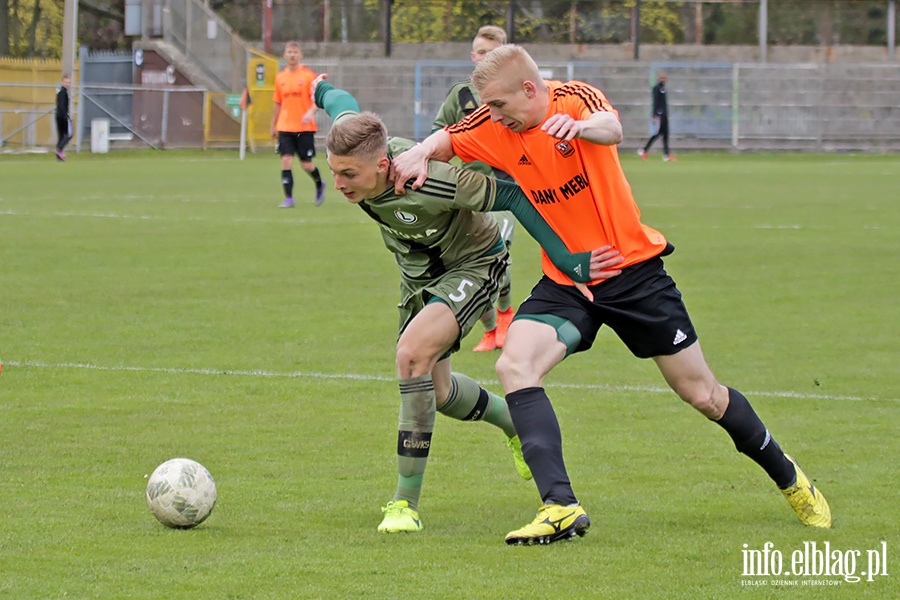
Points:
[(294, 124), (660, 120), (63, 120), (461, 101)]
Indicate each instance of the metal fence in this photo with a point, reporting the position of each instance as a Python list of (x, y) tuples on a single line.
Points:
[(711, 106), (27, 115), (140, 115), (721, 106)]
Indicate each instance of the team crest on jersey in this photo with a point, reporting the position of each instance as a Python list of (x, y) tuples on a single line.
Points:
[(405, 217), (565, 148)]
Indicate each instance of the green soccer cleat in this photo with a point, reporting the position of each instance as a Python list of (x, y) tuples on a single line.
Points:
[(553, 523), (808, 502), (515, 444), (399, 518)]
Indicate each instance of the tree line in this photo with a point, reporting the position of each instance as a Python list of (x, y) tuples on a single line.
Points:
[(33, 28)]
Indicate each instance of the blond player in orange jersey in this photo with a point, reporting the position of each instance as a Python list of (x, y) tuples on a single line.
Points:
[(294, 124), (558, 141)]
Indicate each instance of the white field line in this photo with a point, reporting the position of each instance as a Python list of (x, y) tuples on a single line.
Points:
[(112, 215), (359, 377), (89, 215)]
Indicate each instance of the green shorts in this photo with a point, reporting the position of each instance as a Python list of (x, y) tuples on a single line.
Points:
[(469, 290)]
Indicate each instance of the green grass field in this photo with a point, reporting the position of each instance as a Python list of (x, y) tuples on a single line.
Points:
[(158, 304)]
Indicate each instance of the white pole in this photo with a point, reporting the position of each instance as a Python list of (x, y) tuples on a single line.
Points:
[(165, 119), (892, 27), (763, 29), (243, 132), (735, 105), (82, 54), (70, 36)]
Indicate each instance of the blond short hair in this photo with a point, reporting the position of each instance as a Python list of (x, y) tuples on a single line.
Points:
[(509, 63), (492, 33), (292, 44), (359, 135)]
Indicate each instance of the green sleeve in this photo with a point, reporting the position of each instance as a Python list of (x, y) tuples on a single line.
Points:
[(336, 102), (576, 266), (449, 113)]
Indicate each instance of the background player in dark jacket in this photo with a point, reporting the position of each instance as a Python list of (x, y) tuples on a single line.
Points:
[(63, 121), (660, 118)]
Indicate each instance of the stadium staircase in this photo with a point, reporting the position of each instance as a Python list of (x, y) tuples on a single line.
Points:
[(203, 48), (190, 68)]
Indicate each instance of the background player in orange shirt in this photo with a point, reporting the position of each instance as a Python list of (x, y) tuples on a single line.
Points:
[(294, 124), (558, 141)]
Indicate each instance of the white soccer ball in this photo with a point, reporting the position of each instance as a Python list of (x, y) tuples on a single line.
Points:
[(181, 493)]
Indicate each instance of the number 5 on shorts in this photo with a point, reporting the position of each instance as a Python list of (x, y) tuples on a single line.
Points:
[(462, 291)]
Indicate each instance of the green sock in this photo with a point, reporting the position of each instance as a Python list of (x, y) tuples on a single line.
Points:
[(414, 436), (505, 299), (468, 401), (489, 319)]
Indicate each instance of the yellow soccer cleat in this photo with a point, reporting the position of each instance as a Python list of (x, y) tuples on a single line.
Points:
[(515, 444), (553, 522), (807, 501), (399, 518)]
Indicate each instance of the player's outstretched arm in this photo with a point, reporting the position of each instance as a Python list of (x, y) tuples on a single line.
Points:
[(601, 128), (334, 101), (580, 267), (413, 164)]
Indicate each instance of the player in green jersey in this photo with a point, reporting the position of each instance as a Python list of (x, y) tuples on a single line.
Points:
[(451, 259), (461, 101)]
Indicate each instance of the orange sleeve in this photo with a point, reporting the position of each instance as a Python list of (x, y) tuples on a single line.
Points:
[(581, 100)]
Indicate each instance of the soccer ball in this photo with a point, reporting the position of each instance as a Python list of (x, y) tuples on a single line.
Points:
[(181, 493)]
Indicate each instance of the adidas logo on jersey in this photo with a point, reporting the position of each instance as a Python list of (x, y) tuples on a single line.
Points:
[(679, 337), (524, 161), (578, 270)]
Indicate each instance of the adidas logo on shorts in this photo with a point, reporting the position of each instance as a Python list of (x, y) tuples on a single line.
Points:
[(679, 337)]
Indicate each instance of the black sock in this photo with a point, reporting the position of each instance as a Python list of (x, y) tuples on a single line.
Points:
[(287, 182), (538, 429), (316, 177), (752, 438)]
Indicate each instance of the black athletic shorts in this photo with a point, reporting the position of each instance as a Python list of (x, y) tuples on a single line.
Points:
[(642, 305), (303, 144)]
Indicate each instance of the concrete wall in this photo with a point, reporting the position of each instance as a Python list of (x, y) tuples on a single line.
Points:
[(715, 105), (616, 53)]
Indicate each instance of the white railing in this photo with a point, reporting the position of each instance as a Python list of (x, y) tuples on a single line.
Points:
[(207, 40)]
